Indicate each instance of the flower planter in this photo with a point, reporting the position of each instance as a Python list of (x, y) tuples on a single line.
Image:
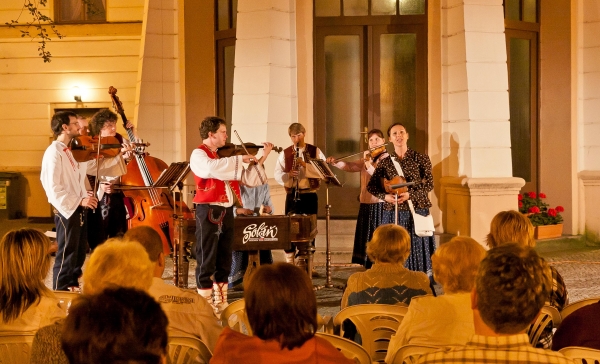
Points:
[(548, 231)]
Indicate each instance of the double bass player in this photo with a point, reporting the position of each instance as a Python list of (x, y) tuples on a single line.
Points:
[(217, 183)]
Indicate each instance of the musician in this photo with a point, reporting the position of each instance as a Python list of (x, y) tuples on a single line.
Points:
[(110, 218), (297, 176), (63, 180), (416, 168), (254, 200), (371, 213), (217, 191)]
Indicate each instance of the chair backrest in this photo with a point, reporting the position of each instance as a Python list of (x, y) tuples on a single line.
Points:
[(234, 316), (409, 354), (375, 323), (325, 324), (569, 309), (187, 350), (16, 348), (579, 354), (65, 298), (349, 348), (548, 315)]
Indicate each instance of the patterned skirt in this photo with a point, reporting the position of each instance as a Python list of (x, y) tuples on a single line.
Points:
[(421, 248), (370, 216)]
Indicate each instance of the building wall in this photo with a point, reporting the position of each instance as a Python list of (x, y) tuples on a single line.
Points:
[(92, 57)]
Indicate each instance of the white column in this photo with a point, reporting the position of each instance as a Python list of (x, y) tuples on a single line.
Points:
[(477, 166), (158, 100), (589, 122)]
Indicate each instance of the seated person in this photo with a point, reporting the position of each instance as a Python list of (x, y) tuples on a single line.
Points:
[(446, 320), (514, 227), (580, 328), (118, 325), (25, 302), (511, 287), (387, 281), (114, 263), (281, 307), (188, 313)]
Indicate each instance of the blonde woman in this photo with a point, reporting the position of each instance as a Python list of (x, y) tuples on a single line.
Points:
[(115, 263), (25, 302), (513, 227), (446, 320), (387, 281)]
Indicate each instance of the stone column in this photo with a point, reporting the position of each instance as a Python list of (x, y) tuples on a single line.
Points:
[(265, 82), (158, 101), (477, 165)]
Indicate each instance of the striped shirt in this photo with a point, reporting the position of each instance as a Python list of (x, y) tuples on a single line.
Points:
[(511, 349)]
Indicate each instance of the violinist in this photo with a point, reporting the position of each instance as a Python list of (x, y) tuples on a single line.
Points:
[(217, 192), (63, 179), (416, 167), (294, 173), (110, 218), (371, 213)]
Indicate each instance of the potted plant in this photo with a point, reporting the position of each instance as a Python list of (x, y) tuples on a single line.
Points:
[(547, 221)]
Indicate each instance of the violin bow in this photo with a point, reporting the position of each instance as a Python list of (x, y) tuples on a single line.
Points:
[(369, 149), (244, 146)]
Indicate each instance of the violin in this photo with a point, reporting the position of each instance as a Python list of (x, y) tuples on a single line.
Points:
[(230, 149), (388, 183), (85, 148), (375, 153)]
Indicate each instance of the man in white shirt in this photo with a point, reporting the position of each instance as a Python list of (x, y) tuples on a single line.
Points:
[(217, 190), (63, 179), (188, 313)]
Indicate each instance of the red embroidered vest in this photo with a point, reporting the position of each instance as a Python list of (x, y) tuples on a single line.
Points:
[(289, 154), (210, 190)]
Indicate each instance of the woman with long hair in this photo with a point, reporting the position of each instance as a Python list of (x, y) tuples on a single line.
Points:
[(25, 302)]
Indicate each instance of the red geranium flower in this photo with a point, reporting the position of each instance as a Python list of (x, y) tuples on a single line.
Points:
[(531, 194), (560, 209), (542, 195), (520, 197), (534, 209), (520, 204), (552, 212)]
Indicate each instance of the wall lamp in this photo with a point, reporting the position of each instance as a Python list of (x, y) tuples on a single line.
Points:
[(76, 94)]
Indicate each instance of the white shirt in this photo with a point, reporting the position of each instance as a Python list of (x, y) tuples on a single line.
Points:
[(283, 178), (446, 320), (44, 313), (225, 169), (187, 311), (63, 178)]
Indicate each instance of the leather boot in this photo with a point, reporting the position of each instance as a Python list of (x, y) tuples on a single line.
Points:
[(220, 297), (207, 294), (289, 257)]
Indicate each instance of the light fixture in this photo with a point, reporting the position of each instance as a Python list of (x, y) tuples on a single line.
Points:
[(76, 94)]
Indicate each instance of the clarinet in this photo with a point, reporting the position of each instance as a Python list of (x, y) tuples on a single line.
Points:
[(295, 167)]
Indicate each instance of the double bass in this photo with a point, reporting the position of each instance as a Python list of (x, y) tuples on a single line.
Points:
[(151, 206)]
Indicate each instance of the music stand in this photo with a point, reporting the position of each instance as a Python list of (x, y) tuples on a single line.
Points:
[(330, 179), (171, 178)]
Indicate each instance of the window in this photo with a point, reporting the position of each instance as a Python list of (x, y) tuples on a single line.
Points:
[(80, 11)]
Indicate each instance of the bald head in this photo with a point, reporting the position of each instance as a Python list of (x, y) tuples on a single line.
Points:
[(149, 238)]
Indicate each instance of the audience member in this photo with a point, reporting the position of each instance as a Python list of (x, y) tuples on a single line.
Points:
[(188, 313), (580, 328), (446, 320), (511, 288), (115, 263), (514, 227), (25, 302), (118, 325), (387, 281), (281, 307)]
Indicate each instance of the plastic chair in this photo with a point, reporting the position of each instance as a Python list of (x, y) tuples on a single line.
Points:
[(569, 309), (581, 355), (234, 316), (325, 324), (410, 354), (349, 348), (187, 350), (15, 348), (375, 323), (65, 298), (547, 315)]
